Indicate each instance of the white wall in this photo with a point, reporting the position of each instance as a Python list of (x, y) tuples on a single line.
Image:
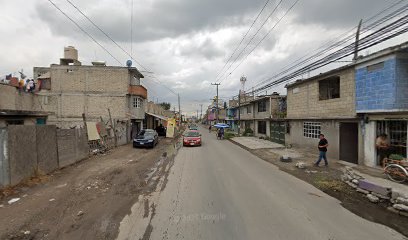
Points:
[(370, 156)]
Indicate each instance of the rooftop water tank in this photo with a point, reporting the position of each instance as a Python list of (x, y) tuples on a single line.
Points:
[(70, 53)]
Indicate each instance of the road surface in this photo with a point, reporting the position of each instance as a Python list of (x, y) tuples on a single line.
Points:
[(221, 191)]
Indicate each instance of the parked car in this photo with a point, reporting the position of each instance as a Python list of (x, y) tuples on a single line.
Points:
[(146, 138), (193, 127), (192, 138)]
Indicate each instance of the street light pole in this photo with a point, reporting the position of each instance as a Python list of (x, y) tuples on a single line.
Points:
[(217, 108)]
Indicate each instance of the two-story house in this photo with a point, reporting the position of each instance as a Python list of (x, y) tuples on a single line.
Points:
[(352, 106), (264, 115), (325, 104)]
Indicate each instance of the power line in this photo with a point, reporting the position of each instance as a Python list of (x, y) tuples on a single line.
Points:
[(249, 29), (331, 45), (270, 30), (104, 33), (252, 38), (119, 46), (84, 31)]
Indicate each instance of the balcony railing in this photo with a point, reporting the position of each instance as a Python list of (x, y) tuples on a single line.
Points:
[(138, 90)]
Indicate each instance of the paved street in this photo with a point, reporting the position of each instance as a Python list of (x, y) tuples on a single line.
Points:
[(220, 191)]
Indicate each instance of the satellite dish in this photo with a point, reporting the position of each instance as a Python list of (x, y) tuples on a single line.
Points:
[(129, 63)]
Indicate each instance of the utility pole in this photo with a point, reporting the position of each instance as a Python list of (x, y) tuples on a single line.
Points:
[(113, 127), (217, 110), (357, 40), (239, 112), (201, 114), (178, 98)]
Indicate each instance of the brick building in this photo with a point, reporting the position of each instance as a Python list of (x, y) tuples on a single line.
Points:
[(69, 89)]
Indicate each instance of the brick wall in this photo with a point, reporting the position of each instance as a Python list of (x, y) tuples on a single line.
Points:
[(383, 89), (303, 99)]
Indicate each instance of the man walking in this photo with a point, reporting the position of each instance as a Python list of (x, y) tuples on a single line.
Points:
[(323, 144)]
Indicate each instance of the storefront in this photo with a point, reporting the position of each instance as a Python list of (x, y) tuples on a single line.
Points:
[(397, 133)]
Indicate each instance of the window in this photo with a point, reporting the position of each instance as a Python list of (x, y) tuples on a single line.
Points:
[(311, 129), (262, 127), (249, 110), (137, 102), (262, 106), (329, 88), (375, 67)]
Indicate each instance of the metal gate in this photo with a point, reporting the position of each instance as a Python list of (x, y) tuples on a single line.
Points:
[(278, 130)]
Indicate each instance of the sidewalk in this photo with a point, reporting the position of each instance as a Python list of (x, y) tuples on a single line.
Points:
[(374, 175)]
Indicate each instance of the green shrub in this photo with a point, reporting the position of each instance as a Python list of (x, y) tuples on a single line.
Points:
[(248, 132), (228, 135), (396, 157)]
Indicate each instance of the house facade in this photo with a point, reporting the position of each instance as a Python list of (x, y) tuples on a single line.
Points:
[(352, 106), (382, 100), (325, 104), (71, 91)]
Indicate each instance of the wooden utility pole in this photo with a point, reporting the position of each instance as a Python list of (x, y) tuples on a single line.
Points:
[(178, 98), (217, 108), (113, 127), (357, 40)]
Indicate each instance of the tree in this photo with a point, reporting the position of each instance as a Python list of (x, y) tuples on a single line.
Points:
[(165, 105)]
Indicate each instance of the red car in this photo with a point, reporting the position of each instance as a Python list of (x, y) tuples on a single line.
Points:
[(192, 138)]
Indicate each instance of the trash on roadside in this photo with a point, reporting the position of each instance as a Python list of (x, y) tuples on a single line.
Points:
[(26, 232), (13, 200), (25, 195), (285, 159), (1, 206), (80, 213), (301, 165), (52, 200)]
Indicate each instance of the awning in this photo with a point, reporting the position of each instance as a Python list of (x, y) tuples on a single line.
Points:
[(158, 116)]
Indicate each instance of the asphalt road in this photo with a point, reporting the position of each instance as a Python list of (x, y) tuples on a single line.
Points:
[(220, 191)]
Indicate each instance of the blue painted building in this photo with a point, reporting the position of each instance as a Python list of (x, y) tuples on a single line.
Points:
[(381, 82)]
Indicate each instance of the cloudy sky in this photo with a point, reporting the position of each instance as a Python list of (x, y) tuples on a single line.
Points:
[(184, 43)]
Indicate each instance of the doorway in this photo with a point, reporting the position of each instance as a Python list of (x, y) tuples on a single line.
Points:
[(349, 142)]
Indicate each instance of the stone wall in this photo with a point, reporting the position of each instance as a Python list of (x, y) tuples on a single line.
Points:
[(303, 99)]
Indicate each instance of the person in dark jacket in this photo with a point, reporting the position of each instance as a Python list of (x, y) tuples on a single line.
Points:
[(322, 146)]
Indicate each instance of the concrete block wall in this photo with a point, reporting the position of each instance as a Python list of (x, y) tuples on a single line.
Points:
[(89, 79), (12, 99), (72, 146), (303, 99), (22, 149), (330, 128)]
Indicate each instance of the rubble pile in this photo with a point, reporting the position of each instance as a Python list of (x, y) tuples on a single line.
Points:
[(375, 193)]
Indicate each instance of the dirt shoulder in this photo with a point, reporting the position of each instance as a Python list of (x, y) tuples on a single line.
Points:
[(83, 201), (328, 180)]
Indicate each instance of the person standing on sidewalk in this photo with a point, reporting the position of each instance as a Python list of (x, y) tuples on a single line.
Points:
[(323, 144)]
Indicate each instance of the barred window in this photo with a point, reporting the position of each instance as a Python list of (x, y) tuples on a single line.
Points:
[(262, 106), (137, 102), (311, 129)]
